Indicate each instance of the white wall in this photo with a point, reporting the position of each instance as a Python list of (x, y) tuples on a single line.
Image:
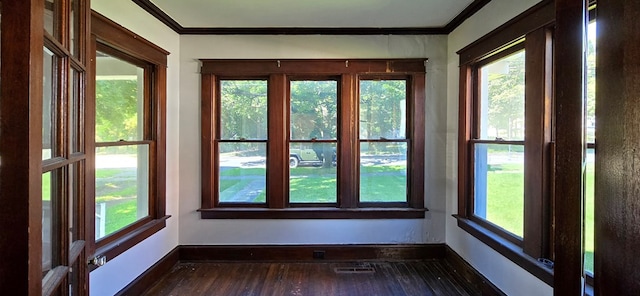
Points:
[(193, 230), (119, 272), (509, 277)]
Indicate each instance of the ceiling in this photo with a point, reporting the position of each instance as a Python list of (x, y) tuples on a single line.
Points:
[(211, 16)]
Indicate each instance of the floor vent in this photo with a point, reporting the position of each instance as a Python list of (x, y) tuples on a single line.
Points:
[(354, 269)]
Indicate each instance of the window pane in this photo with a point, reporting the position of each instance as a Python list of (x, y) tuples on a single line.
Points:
[(499, 185), (591, 83), (243, 109), (591, 138), (119, 100), (314, 110), (49, 202), (502, 98), (74, 28), (312, 176), (589, 228), (122, 187), (243, 172), (51, 17), (74, 111), (383, 172), (49, 103), (383, 105), (46, 222)]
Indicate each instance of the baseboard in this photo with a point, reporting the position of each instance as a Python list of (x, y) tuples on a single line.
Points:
[(464, 269), (151, 275), (191, 253), (312, 252)]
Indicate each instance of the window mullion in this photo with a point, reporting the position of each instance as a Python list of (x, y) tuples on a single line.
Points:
[(277, 146), (416, 141), (537, 139), (348, 142)]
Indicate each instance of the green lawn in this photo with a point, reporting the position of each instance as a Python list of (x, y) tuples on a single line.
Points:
[(505, 203)]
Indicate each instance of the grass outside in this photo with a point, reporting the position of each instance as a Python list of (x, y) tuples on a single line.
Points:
[(505, 203)]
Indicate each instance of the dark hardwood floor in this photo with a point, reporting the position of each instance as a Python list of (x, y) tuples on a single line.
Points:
[(433, 277)]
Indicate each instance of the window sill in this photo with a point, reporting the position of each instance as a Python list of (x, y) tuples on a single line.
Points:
[(507, 249), (127, 241), (312, 213)]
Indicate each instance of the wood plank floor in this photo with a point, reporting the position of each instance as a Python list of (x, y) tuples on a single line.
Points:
[(434, 277)]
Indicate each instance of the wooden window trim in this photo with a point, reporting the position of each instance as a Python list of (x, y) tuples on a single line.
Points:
[(535, 26), (132, 48), (348, 74)]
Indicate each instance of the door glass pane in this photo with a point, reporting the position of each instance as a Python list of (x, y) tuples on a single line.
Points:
[(312, 173), (74, 28), (589, 227), (74, 199), (383, 171), (51, 17), (502, 98), (50, 244), (119, 100), (589, 230), (499, 185), (243, 109), (75, 109), (49, 104), (122, 187), (383, 105), (243, 172), (314, 110)]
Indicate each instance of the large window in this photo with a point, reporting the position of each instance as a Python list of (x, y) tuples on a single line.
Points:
[(313, 139), (129, 117), (506, 141)]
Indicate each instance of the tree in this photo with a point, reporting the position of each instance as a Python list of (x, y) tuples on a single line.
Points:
[(506, 96), (117, 114)]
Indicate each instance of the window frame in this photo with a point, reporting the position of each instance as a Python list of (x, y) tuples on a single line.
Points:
[(280, 73), (535, 28), (128, 46)]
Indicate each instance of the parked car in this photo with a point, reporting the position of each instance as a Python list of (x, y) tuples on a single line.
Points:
[(307, 156)]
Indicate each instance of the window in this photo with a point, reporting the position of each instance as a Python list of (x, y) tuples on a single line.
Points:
[(589, 183), (506, 140), (312, 139), (129, 117)]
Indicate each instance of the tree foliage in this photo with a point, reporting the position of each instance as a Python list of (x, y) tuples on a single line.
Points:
[(505, 99), (117, 114)]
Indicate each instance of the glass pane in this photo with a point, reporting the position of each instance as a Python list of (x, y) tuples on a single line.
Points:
[(122, 187), (74, 28), (499, 185), (74, 198), (383, 172), (49, 198), (312, 176), (51, 17), (49, 103), (75, 133), (589, 228), (119, 100), (383, 107), (243, 109), (314, 110), (243, 172), (591, 83), (502, 98), (589, 247)]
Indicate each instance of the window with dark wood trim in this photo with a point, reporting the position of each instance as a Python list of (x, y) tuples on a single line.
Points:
[(506, 140), (127, 118), (313, 138)]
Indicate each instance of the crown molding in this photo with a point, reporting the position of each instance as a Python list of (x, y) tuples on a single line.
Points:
[(156, 12)]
